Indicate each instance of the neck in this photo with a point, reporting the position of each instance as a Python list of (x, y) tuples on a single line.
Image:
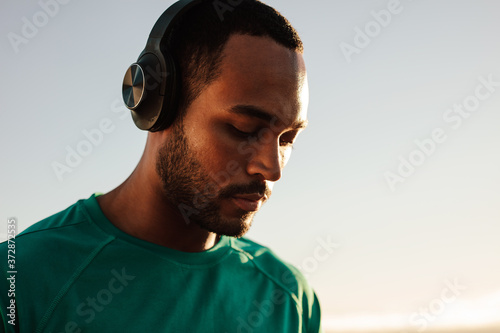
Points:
[(140, 208)]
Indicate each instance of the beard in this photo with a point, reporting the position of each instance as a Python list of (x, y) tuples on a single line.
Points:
[(198, 197)]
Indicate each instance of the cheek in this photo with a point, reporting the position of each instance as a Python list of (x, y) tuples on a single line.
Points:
[(220, 158)]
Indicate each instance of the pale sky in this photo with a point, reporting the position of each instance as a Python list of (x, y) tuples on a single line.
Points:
[(407, 91)]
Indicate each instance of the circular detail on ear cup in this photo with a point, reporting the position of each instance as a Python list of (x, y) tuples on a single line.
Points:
[(133, 86)]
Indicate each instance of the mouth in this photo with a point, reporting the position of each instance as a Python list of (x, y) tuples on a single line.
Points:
[(249, 202)]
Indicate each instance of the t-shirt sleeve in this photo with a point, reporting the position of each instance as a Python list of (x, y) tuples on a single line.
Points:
[(314, 315), (311, 310)]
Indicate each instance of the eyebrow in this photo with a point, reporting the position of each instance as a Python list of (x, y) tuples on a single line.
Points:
[(255, 112)]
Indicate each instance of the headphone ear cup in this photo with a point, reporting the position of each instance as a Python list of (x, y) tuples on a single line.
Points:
[(150, 92), (141, 90)]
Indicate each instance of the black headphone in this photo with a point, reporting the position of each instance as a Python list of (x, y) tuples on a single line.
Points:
[(151, 85)]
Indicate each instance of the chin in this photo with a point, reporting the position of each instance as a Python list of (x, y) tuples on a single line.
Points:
[(232, 227)]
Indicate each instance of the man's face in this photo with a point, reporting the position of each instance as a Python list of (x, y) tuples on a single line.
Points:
[(219, 165)]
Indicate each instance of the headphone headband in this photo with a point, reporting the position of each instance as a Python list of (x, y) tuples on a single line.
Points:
[(169, 17)]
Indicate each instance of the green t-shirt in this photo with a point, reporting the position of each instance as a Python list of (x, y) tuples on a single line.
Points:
[(77, 272)]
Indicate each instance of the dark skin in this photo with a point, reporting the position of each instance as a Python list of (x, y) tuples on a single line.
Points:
[(257, 73)]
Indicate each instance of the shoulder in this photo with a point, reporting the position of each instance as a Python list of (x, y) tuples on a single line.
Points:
[(270, 264), (287, 277), (51, 241), (40, 235), (70, 216)]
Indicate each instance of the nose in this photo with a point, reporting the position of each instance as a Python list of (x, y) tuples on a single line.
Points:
[(267, 162)]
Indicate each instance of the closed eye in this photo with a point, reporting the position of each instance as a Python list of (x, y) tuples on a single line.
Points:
[(286, 139), (240, 133)]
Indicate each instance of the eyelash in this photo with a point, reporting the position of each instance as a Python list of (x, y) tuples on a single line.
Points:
[(246, 135), (241, 133)]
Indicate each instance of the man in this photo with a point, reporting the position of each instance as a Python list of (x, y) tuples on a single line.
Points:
[(163, 252)]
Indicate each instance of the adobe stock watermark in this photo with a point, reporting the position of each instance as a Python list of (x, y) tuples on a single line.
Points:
[(11, 270), (31, 27), (261, 311), (436, 307), (363, 36), (90, 139), (324, 249), (94, 137), (221, 7), (454, 117)]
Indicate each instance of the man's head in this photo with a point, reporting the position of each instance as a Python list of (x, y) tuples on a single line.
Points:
[(244, 101), (199, 38)]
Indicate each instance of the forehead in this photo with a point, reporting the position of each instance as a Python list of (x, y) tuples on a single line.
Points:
[(257, 71)]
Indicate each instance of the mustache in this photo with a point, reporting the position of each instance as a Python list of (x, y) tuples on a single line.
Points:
[(253, 187)]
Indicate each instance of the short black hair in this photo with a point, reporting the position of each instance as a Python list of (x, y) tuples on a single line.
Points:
[(198, 39)]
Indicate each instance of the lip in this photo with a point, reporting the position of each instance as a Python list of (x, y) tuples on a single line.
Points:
[(248, 202)]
